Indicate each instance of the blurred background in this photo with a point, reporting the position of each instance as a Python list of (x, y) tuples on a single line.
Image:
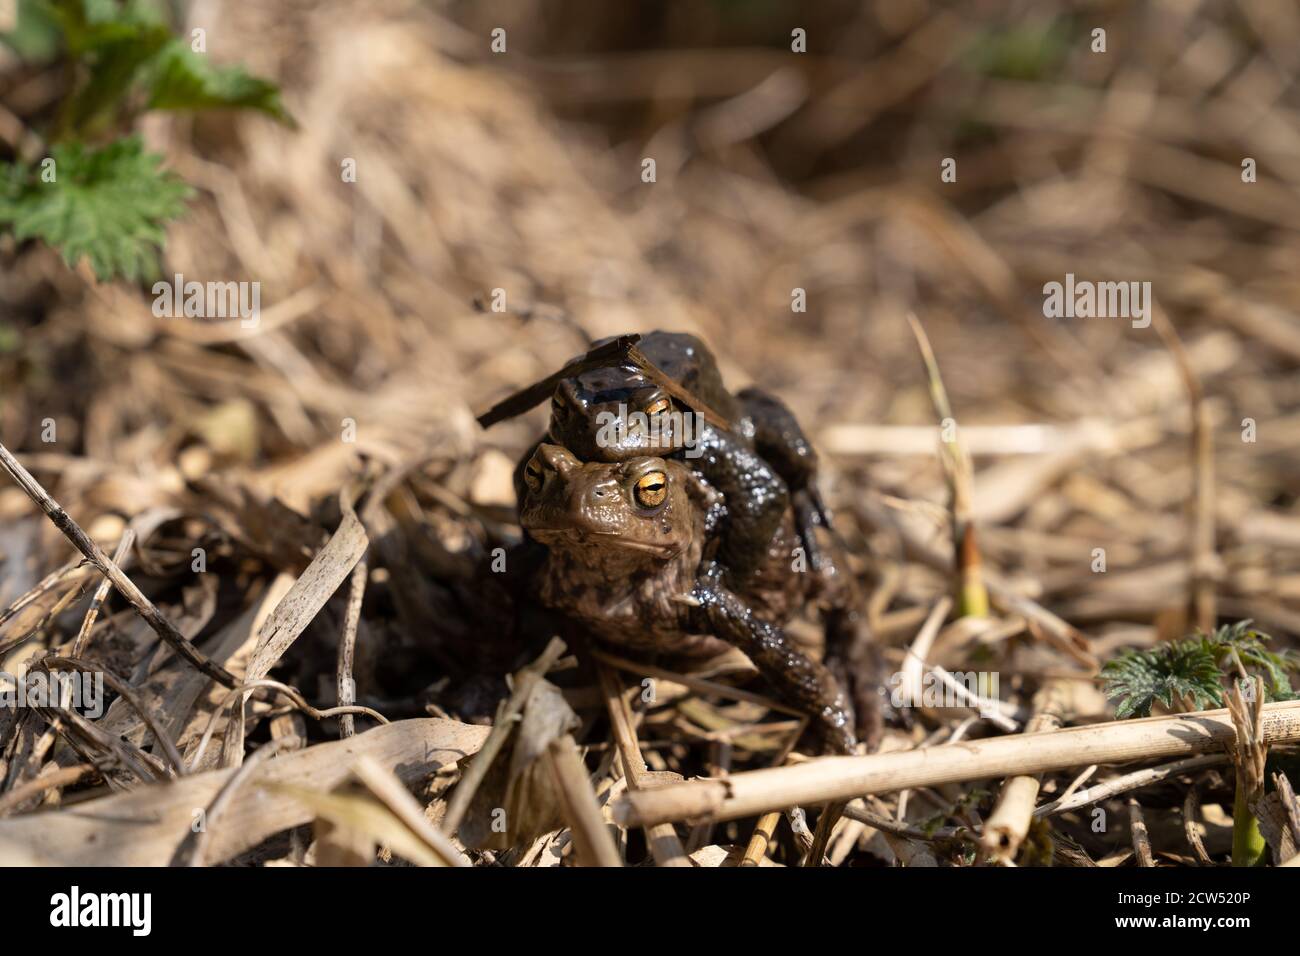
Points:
[(775, 171)]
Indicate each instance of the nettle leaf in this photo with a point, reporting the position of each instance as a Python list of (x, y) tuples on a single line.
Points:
[(1185, 670), (1194, 668), (109, 206), (114, 65), (91, 24), (1249, 646), (180, 79)]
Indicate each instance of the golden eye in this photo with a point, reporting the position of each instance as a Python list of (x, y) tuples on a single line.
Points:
[(651, 489), (659, 406), (533, 475)]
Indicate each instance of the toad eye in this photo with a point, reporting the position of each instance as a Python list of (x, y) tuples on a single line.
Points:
[(659, 406), (651, 489), (533, 475)]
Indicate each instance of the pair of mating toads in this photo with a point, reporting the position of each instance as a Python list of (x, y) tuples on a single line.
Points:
[(655, 529)]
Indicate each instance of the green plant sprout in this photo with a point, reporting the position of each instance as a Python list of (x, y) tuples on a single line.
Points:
[(89, 189), (1190, 674)]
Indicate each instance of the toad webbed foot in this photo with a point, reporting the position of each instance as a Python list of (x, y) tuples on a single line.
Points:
[(800, 681)]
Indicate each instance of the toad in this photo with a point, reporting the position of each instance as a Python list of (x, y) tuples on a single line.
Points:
[(761, 466), (629, 555)]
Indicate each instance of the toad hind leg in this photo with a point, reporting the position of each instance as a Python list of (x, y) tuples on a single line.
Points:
[(779, 438), (780, 441), (801, 681), (754, 493)]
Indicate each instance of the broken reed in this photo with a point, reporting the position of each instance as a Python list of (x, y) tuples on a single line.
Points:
[(843, 778)]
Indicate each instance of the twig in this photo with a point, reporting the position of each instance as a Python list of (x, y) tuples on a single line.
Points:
[(857, 810), (1138, 831), (101, 595), (284, 689), (698, 684), (1084, 776), (145, 767), (62, 777), (914, 663), (1191, 817), (120, 687), (347, 688), (1131, 781), (72, 531), (47, 582), (989, 708)]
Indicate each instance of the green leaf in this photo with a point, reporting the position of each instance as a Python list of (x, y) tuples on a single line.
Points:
[(180, 79), (35, 35), (1194, 668), (1171, 672), (1248, 645), (114, 65), (109, 206), (91, 24), (110, 42)]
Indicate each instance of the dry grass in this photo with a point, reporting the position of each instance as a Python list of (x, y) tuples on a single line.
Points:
[(774, 172)]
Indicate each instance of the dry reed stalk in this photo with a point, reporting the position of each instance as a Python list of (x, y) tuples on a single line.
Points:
[(665, 846), (389, 789), (591, 839), (841, 778), (1204, 557), (1006, 827), (972, 597), (760, 841), (699, 684)]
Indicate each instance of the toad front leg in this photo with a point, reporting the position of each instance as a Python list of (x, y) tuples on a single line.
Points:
[(801, 681)]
